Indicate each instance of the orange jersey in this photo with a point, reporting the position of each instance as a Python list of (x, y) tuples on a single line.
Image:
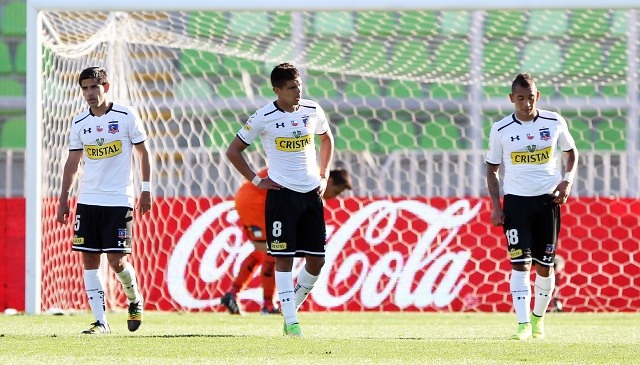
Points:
[(250, 200)]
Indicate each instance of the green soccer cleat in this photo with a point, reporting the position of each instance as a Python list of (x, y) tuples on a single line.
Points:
[(134, 318), (523, 333), (537, 326), (292, 330), (98, 328)]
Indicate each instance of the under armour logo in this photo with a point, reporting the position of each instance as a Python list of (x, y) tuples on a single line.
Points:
[(278, 125), (516, 138), (85, 131)]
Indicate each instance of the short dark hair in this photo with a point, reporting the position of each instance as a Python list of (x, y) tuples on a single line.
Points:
[(93, 73), (524, 80), (341, 177), (283, 73)]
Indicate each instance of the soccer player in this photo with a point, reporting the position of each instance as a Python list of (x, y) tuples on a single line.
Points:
[(103, 137), (526, 143), (250, 204), (294, 212)]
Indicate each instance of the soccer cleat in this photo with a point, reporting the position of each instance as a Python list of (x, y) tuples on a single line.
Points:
[(537, 326), (229, 301), (523, 333), (134, 319), (269, 310), (292, 330), (97, 328)]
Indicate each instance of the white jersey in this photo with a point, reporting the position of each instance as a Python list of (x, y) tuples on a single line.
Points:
[(529, 152), (107, 142), (289, 142)]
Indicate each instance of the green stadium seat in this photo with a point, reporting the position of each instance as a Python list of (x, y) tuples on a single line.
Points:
[(353, 134), (13, 133), (249, 23), (581, 132), (452, 56), (14, 19), (496, 92), (237, 65), (404, 89), (5, 59), (579, 90), (326, 53), (500, 58), (440, 135), (542, 57), (417, 23), (203, 24), (548, 23), (230, 87), (278, 51), (583, 58), (281, 23), (456, 22), (410, 58), (368, 56), (20, 63), (362, 88), (447, 91), (222, 132), (333, 23), (501, 24), (614, 90), (194, 88), (194, 62), (11, 87), (375, 23), (617, 59), (397, 134), (620, 23), (610, 135), (320, 87), (589, 22)]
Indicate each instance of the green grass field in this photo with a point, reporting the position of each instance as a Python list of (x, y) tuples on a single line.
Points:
[(330, 338)]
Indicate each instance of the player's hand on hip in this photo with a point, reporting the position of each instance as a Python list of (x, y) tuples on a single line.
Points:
[(269, 184), (144, 202)]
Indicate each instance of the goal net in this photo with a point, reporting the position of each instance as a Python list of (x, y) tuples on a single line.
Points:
[(411, 96)]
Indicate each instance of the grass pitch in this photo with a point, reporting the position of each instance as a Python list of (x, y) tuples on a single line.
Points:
[(330, 338)]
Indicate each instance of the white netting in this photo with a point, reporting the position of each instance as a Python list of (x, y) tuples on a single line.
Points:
[(410, 94)]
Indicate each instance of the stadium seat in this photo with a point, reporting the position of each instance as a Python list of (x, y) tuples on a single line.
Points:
[(613, 90), (193, 88), (5, 59), (222, 132), (375, 23), (410, 58), (610, 135), (202, 24), (362, 88), (456, 22), (548, 23), (589, 22), (13, 133), (278, 51), (194, 62), (397, 134), (326, 53), (320, 87), (452, 56), (369, 56), (281, 23), (579, 90), (14, 19), (230, 87), (440, 135), (620, 23), (249, 23), (447, 91), (333, 23), (501, 24), (616, 64), (420, 23), (496, 92), (583, 58), (20, 63), (500, 58), (237, 65), (581, 132), (542, 57), (11, 87), (404, 89), (353, 134)]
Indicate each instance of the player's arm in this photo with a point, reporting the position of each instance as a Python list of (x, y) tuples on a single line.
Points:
[(68, 178), (326, 156), (236, 157), (493, 185), (564, 188), (144, 201)]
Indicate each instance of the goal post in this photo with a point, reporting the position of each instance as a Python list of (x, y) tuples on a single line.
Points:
[(409, 86)]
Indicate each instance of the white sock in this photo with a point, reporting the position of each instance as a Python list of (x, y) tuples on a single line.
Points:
[(521, 295), (543, 290), (129, 283), (284, 283), (95, 293), (304, 286)]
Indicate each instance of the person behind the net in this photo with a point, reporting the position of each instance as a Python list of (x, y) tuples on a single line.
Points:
[(294, 210), (103, 138), (528, 143), (250, 205)]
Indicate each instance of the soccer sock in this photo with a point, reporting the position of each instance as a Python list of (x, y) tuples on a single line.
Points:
[(521, 295), (543, 290), (95, 293), (129, 283), (247, 268), (304, 286), (268, 280), (284, 283)]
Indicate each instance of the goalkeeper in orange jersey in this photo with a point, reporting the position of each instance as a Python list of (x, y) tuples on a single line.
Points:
[(250, 204)]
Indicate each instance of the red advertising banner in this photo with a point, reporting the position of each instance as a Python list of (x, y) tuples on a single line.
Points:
[(403, 254)]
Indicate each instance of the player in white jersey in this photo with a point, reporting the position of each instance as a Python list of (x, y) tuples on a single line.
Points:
[(103, 137), (293, 210), (527, 143)]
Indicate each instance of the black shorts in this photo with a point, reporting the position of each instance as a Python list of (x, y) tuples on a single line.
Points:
[(103, 229), (531, 226), (295, 223)]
